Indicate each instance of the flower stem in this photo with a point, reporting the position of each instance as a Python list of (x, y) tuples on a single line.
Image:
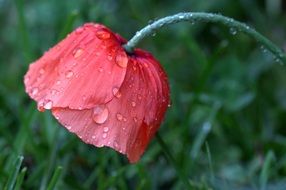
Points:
[(205, 17), (171, 159)]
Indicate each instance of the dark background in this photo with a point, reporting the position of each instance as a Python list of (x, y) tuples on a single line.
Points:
[(225, 128)]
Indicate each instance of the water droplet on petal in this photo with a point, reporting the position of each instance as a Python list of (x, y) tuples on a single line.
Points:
[(35, 91), (135, 119), (105, 129), (124, 119), (77, 53), (79, 30), (119, 117), (100, 114), (58, 82), (109, 57), (93, 137), (100, 69), (104, 135), (42, 71), (54, 92), (26, 80), (116, 92), (133, 104), (69, 74), (103, 34), (48, 105), (115, 144), (121, 59)]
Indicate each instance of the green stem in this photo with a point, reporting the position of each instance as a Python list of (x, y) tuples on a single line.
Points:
[(170, 157), (205, 17)]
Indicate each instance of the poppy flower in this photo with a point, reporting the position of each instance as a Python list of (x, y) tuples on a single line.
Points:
[(99, 92)]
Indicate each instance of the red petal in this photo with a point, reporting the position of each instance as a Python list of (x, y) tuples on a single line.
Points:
[(128, 122), (80, 71)]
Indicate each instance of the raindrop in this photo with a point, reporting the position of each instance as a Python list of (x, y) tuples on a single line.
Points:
[(54, 92), (69, 74), (100, 69), (169, 105), (124, 119), (133, 104), (79, 30), (233, 31), (134, 68), (181, 17), (119, 117), (104, 135), (93, 137), (48, 105), (139, 97), (26, 80), (84, 97), (115, 144), (68, 127), (135, 119), (109, 57), (116, 92), (121, 59), (42, 71), (35, 91), (58, 82), (77, 53), (105, 129), (103, 34), (100, 114)]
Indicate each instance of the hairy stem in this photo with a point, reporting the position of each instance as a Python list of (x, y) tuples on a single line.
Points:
[(205, 17)]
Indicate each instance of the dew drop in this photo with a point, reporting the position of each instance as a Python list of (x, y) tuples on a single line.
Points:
[(104, 135), (93, 137), (35, 91), (119, 117), (84, 97), (116, 92), (48, 105), (105, 129), (103, 34), (42, 71), (79, 30), (54, 92), (109, 57), (233, 31), (100, 69), (135, 119), (124, 119), (69, 74), (58, 82), (121, 59), (77, 53), (115, 144), (133, 104), (100, 114), (26, 80)]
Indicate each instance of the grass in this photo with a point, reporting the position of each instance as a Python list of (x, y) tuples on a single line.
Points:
[(225, 128)]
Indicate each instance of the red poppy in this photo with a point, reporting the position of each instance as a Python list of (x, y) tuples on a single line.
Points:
[(99, 92)]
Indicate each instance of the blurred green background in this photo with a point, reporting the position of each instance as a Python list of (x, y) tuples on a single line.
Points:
[(225, 128)]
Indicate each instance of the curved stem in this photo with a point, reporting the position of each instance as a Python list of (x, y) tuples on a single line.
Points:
[(205, 17)]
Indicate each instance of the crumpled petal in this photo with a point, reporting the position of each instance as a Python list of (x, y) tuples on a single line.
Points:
[(80, 71), (129, 121)]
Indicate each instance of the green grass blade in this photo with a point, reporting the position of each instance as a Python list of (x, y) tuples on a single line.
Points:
[(20, 179), (264, 175), (55, 178), (14, 173)]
